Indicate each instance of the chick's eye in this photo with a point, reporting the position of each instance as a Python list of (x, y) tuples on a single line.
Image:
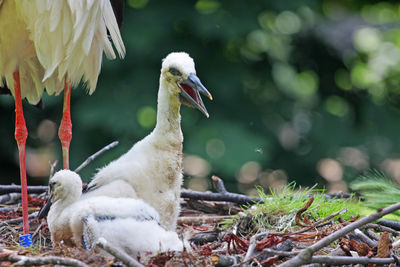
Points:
[(175, 72)]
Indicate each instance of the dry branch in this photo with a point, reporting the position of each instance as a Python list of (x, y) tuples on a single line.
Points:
[(365, 238), (380, 228), (282, 249), (202, 238), (253, 244), (10, 198), (371, 234), (95, 155), (344, 260), (203, 206), (222, 195), (36, 233), (225, 260), (30, 261), (11, 208), (53, 168), (35, 189), (197, 220), (218, 184), (121, 255), (306, 255), (230, 197), (280, 252), (392, 224), (18, 220)]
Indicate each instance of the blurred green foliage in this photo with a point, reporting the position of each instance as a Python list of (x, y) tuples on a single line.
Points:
[(294, 82)]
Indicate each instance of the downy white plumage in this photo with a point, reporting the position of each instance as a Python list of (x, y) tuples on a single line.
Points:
[(153, 165), (128, 224)]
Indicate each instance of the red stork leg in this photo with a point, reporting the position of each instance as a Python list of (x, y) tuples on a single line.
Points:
[(65, 130), (21, 134)]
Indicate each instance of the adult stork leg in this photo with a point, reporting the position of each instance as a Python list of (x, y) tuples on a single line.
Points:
[(21, 134), (65, 130)]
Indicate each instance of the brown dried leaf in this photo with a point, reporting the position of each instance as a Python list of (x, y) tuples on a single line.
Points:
[(362, 249)]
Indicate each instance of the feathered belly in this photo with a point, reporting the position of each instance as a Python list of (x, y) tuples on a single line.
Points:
[(15, 45)]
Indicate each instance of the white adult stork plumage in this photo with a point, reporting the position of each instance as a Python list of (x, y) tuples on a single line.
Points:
[(153, 165), (128, 224), (52, 44)]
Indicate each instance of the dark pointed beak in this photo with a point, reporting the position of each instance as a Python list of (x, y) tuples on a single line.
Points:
[(191, 89), (45, 210)]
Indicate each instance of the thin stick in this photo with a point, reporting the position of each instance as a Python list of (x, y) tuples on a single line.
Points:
[(35, 189), (53, 168), (345, 260), (95, 155), (380, 228), (218, 184), (121, 255), (270, 251), (202, 219), (252, 245), (18, 220), (365, 238), (306, 255), (53, 260), (37, 230), (9, 209), (226, 260), (12, 197), (392, 224), (281, 253), (231, 197), (371, 234), (5, 189)]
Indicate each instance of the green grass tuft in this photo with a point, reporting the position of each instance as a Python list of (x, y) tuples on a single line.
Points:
[(378, 190), (280, 207)]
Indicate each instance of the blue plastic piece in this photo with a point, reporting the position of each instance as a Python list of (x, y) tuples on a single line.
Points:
[(25, 240)]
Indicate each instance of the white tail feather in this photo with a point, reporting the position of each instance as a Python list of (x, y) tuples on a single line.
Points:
[(62, 38), (112, 26)]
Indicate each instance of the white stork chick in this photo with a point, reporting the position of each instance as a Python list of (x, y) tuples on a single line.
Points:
[(153, 165), (128, 224)]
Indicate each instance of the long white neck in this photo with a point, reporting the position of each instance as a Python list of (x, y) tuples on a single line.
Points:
[(168, 125)]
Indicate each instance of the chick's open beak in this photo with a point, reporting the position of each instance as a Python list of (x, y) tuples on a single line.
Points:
[(191, 89)]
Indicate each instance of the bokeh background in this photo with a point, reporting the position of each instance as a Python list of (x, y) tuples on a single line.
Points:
[(305, 91)]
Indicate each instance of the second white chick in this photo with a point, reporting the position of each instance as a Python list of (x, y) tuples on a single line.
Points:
[(126, 223)]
